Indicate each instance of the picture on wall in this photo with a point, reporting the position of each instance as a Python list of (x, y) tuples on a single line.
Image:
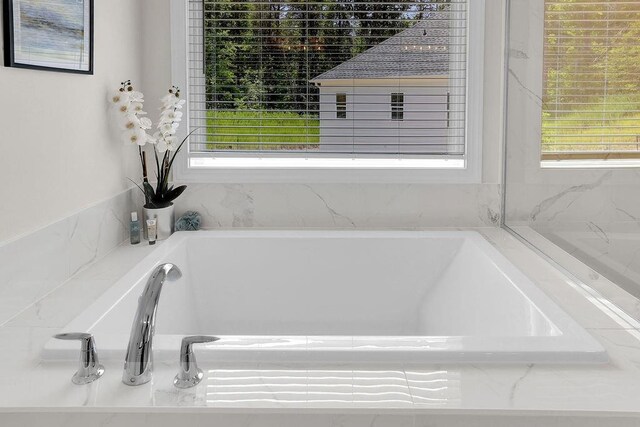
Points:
[(51, 35)]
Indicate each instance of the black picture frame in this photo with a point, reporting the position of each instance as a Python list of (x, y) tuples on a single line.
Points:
[(9, 40)]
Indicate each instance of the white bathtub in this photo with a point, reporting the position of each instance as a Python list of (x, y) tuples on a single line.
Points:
[(340, 296)]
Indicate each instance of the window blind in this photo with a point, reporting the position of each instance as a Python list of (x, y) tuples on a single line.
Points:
[(321, 78), (591, 94)]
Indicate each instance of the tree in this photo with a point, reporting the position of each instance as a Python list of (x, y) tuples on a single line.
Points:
[(265, 53)]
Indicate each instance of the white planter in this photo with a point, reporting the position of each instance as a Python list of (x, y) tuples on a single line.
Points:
[(165, 221)]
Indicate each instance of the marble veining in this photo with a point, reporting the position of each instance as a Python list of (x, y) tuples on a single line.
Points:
[(547, 203), (34, 265), (343, 206), (536, 97)]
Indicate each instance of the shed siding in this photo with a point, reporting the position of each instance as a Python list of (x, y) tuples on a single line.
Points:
[(369, 127)]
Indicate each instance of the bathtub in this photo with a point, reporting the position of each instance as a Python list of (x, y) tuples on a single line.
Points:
[(340, 297)]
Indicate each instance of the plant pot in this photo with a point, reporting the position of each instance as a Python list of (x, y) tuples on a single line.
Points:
[(165, 221)]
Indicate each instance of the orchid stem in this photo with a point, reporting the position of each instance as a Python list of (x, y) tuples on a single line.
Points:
[(145, 178)]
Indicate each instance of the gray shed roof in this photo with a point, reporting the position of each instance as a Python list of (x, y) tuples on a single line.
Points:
[(421, 50)]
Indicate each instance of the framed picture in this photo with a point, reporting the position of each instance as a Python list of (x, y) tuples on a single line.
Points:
[(50, 35)]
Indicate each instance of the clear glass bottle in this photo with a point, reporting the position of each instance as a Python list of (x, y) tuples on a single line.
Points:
[(134, 229)]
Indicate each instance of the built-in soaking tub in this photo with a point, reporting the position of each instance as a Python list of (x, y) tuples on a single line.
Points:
[(340, 296)]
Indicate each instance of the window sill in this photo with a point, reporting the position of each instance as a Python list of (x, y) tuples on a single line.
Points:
[(322, 163), (328, 170), (590, 164)]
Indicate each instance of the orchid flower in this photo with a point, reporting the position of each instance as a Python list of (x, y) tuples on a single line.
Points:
[(129, 106)]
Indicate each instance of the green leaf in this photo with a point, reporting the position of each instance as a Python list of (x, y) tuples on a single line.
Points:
[(149, 191), (174, 193)]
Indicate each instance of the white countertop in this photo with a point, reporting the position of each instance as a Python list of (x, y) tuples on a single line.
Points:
[(31, 384)]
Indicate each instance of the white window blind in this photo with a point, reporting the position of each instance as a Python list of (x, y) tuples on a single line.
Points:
[(315, 78), (591, 95)]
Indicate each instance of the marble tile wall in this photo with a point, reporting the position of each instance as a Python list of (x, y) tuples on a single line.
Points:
[(592, 213), (343, 206), (33, 265)]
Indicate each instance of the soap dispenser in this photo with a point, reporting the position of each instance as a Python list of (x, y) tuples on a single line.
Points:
[(134, 229)]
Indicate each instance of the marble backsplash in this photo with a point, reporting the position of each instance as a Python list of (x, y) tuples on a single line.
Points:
[(597, 222), (33, 265), (344, 206)]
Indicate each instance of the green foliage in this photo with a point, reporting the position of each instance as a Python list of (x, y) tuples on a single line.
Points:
[(163, 195), (263, 54), (592, 60)]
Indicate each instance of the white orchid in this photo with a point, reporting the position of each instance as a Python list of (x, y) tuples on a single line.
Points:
[(129, 121), (129, 106), (136, 136), (151, 139), (138, 108), (171, 116), (145, 123), (119, 97), (123, 108), (168, 128), (172, 100), (161, 146), (136, 96), (167, 143)]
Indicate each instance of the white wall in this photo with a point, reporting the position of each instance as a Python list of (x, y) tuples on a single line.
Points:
[(59, 151), (353, 205)]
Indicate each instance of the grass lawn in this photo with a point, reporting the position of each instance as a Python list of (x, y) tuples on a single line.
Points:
[(616, 130), (254, 130)]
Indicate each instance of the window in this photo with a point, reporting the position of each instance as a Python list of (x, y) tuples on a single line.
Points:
[(271, 78), (341, 105), (591, 90), (262, 80), (397, 106)]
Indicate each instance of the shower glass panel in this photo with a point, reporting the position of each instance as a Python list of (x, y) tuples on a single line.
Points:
[(572, 162)]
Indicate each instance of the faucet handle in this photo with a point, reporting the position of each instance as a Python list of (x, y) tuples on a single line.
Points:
[(190, 375), (90, 368)]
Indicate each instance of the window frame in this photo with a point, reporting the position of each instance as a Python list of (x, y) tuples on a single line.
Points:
[(397, 106), (345, 170), (341, 106)]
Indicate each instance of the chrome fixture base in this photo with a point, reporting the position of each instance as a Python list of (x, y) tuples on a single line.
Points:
[(90, 368), (190, 375), (134, 380), (80, 379), (191, 381)]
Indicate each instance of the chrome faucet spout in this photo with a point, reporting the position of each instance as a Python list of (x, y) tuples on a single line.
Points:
[(138, 365)]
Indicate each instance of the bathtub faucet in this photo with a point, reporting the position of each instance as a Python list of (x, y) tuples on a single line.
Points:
[(138, 364)]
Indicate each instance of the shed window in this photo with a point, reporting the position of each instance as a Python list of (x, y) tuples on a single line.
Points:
[(397, 106), (341, 105)]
